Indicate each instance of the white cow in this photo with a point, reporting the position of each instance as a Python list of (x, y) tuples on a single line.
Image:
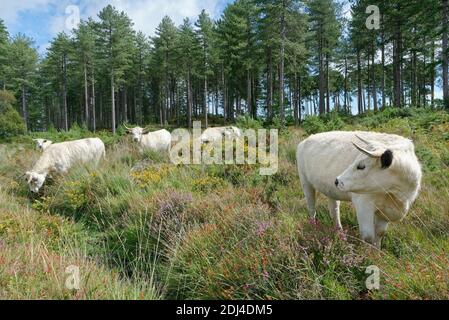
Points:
[(216, 133), (382, 178), (157, 140), (59, 157), (42, 144)]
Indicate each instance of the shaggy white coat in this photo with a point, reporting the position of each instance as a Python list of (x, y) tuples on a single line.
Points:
[(332, 164)]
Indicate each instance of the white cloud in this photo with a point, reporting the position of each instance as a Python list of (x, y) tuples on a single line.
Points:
[(146, 14), (9, 10)]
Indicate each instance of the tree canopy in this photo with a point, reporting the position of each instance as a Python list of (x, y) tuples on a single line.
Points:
[(262, 58)]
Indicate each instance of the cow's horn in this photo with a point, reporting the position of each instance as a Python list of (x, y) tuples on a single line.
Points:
[(373, 154), (361, 139), (128, 128)]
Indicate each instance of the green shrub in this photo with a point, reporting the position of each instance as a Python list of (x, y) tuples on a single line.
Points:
[(314, 124), (11, 123), (248, 122)]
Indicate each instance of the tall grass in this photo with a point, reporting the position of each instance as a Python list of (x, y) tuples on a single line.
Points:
[(160, 230)]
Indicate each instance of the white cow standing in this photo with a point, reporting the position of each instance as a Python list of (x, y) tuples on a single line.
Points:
[(381, 178), (216, 133), (60, 157), (42, 144), (157, 140)]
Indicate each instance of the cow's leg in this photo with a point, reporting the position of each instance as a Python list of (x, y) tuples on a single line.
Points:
[(309, 192), (365, 216), (334, 210), (380, 225)]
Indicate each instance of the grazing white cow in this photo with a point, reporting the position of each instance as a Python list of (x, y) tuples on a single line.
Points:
[(59, 157), (381, 177), (157, 140), (42, 144), (216, 133)]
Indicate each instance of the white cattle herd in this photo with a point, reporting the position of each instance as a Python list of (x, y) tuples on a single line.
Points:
[(379, 173)]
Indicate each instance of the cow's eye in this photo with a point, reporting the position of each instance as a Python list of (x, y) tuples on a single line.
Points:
[(361, 166)]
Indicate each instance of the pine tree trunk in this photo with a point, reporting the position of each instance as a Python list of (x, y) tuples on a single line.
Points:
[(368, 79), (373, 72), (64, 94), (125, 102), (113, 101), (328, 99), (270, 85), (86, 97), (299, 98), (94, 120), (415, 97), (397, 64), (206, 107), (432, 75), (445, 53), (24, 107), (321, 75), (189, 100), (346, 104), (359, 84), (223, 83), (281, 71), (383, 65), (248, 92), (295, 99)]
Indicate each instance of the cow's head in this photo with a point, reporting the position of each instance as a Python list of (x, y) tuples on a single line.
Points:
[(136, 133), (42, 144), (35, 180), (370, 172)]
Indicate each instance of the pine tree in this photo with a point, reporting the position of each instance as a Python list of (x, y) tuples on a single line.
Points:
[(4, 42), (115, 34), (164, 48), (326, 30), (444, 54), (20, 70), (60, 55), (85, 52), (188, 50), (204, 35)]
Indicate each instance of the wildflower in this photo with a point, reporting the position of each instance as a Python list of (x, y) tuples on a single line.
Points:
[(265, 275), (262, 227)]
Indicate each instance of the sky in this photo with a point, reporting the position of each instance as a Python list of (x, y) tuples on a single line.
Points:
[(44, 19)]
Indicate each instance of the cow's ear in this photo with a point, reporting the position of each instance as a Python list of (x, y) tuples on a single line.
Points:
[(386, 159)]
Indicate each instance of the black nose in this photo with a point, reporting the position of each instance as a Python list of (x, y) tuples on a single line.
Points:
[(336, 182)]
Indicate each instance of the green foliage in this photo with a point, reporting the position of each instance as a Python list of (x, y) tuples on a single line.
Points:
[(248, 122), (226, 232), (11, 123), (313, 124)]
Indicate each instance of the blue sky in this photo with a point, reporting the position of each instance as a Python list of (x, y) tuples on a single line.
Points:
[(43, 19)]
